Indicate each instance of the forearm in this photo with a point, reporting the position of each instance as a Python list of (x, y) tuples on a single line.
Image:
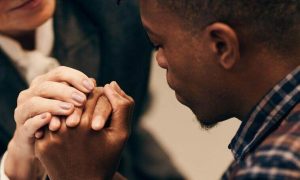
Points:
[(19, 166)]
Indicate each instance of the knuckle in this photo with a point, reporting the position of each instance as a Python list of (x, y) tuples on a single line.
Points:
[(41, 148), (31, 102), (58, 72), (61, 71), (97, 90), (57, 141), (30, 106), (16, 114), (123, 136), (22, 96), (37, 80), (121, 103), (42, 90), (94, 81), (47, 145), (60, 68), (16, 111), (26, 129), (131, 101), (96, 93)]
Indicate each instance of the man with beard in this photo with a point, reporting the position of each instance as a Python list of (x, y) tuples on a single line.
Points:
[(227, 59), (236, 59), (38, 35)]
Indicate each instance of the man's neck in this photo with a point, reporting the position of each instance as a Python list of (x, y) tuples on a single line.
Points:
[(262, 75)]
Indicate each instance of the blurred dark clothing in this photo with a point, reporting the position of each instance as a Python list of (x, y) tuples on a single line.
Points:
[(107, 42)]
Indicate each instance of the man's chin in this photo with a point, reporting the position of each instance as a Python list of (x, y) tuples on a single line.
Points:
[(180, 99), (205, 124)]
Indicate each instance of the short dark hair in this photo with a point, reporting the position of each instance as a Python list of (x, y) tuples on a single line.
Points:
[(268, 21)]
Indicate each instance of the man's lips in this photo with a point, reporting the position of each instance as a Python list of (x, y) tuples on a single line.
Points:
[(162, 64)]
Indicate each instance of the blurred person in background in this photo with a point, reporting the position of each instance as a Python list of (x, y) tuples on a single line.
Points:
[(95, 37)]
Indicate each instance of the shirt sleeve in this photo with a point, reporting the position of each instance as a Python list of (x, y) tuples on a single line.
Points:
[(2, 165)]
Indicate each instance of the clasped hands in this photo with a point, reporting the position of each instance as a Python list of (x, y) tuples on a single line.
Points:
[(87, 128)]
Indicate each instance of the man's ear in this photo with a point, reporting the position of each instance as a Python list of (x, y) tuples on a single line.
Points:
[(224, 43)]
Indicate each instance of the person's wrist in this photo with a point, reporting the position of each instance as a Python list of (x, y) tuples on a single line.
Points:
[(20, 147), (20, 163)]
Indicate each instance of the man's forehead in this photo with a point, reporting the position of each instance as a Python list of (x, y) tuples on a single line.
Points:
[(149, 14), (151, 7)]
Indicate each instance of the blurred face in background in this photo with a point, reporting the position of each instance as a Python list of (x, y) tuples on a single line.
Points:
[(19, 16)]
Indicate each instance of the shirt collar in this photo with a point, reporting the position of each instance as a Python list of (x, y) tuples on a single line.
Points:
[(44, 42), (36, 62), (45, 38), (267, 115)]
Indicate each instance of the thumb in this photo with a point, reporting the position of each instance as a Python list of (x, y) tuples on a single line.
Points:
[(122, 109)]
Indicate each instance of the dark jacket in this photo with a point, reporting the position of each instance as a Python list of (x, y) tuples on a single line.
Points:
[(107, 42)]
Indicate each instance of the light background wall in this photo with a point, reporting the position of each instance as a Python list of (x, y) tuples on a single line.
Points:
[(198, 153)]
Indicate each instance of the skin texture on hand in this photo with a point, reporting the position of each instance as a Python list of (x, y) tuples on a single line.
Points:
[(43, 103), (83, 153), (20, 162), (45, 94), (38, 106)]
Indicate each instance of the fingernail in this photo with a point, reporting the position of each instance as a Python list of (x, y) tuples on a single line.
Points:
[(97, 123), (78, 98), (38, 135), (66, 106), (43, 116), (88, 85), (73, 120), (55, 125)]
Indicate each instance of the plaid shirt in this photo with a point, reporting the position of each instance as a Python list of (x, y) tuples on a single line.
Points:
[(267, 144)]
